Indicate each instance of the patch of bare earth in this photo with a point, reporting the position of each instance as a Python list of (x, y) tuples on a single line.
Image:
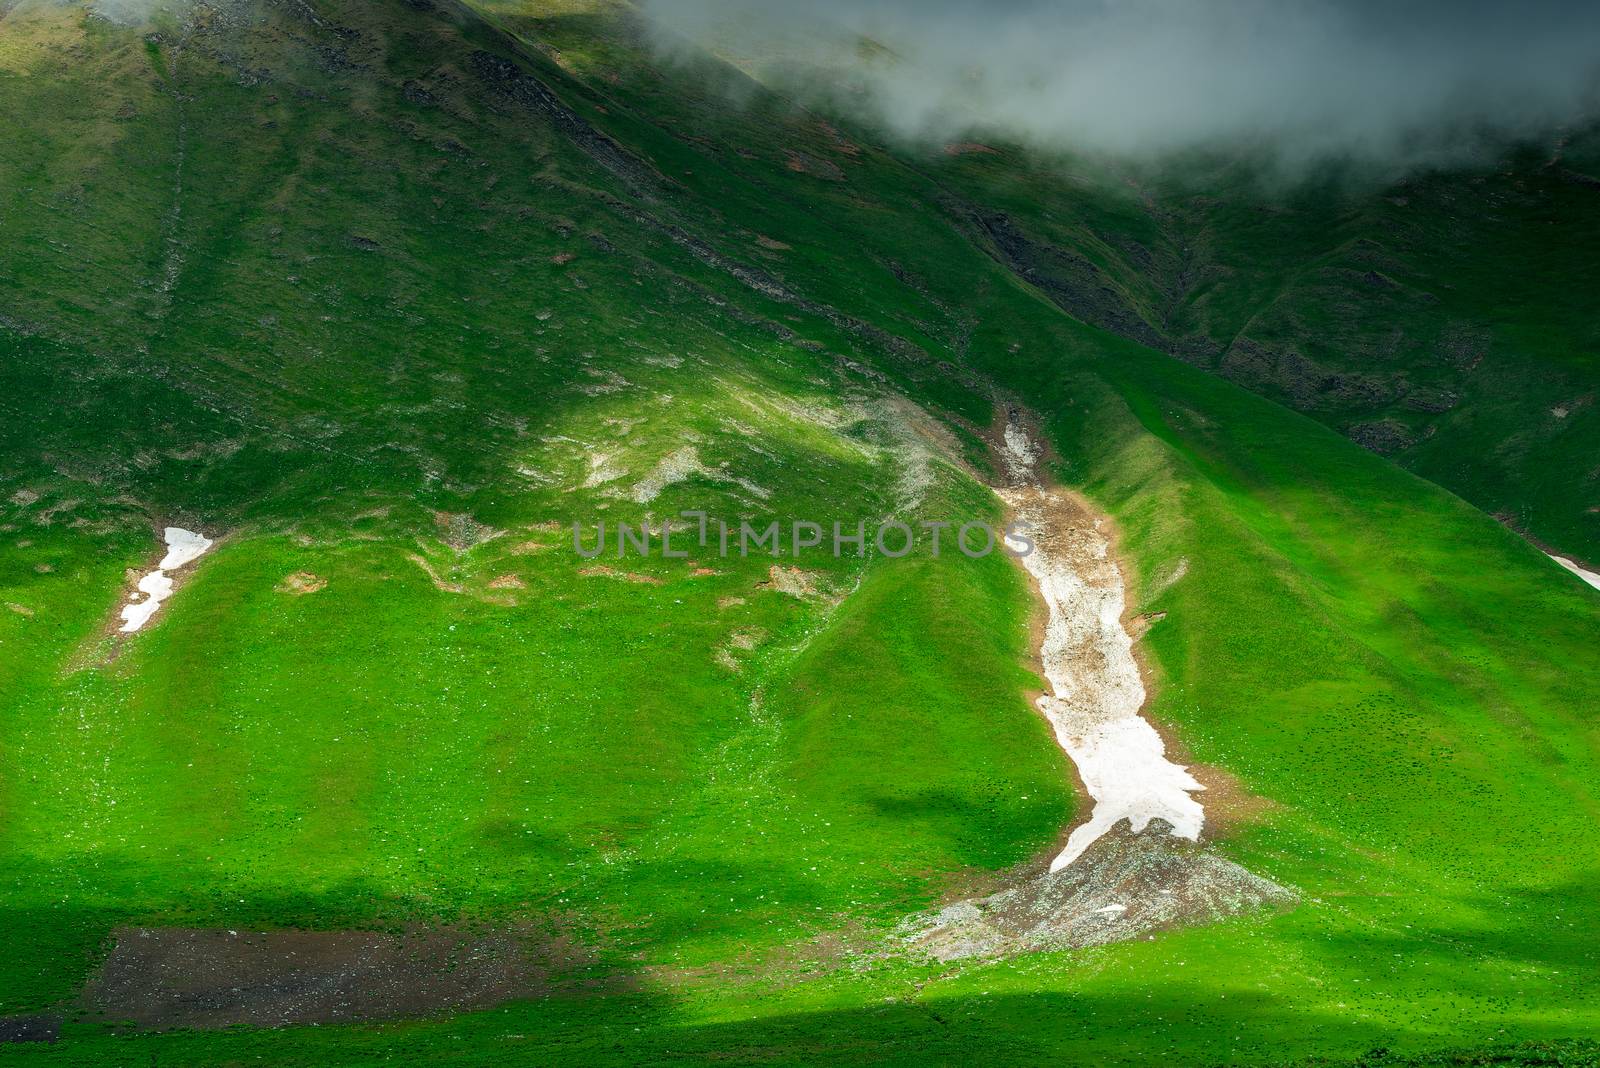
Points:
[(462, 532), (816, 167), (439, 581), (301, 583), (603, 571), (791, 580), (165, 978), (528, 548)]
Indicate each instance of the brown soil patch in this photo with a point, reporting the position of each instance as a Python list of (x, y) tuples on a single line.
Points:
[(772, 243), (438, 580), (791, 580), (301, 583), (528, 548), (166, 978), (19, 609), (1228, 802), (602, 571)]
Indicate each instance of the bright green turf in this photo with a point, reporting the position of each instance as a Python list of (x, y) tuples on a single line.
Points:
[(1409, 683)]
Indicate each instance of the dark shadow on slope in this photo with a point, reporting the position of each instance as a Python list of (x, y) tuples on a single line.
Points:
[(164, 978), (1550, 929)]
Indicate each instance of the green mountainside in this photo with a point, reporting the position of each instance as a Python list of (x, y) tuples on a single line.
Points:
[(1443, 320), (385, 296)]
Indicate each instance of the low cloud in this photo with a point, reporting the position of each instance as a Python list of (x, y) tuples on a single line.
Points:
[(1296, 81)]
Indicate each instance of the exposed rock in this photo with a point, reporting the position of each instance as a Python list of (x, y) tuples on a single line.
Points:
[(1432, 401), (1071, 280), (1463, 346), (805, 163), (1124, 886), (416, 94), (462, 532), (1305, 383), (1382, 436), (528, 92), (1581, 179)]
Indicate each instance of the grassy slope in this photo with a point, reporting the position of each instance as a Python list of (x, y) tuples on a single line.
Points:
[(1401, 676), (354, 392)]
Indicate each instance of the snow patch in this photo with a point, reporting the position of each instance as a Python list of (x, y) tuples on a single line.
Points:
[(1095, 689), (183, 547), (1590, 577)]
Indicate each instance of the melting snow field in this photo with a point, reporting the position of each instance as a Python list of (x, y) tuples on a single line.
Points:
[(1096, 692), (183, 547), (1588, 576)]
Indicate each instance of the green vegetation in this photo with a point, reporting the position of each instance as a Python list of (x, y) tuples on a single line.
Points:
[(324, 281), (1440, 319)]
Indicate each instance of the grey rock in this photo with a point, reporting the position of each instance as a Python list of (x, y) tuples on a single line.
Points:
[(1124, 886)]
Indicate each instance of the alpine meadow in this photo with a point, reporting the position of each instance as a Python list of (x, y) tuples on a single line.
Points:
[(694, 532)]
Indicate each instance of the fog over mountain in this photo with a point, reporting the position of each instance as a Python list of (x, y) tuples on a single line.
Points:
[(1299, 80)]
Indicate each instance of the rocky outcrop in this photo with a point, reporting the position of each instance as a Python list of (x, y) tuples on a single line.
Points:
[(1124, 886)]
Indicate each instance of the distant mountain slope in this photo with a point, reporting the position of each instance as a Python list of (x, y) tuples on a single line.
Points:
[(1440, 318)]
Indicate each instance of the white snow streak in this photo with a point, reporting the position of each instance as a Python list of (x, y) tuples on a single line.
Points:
[(1096, 692), (1588, 576), (183, 547)]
